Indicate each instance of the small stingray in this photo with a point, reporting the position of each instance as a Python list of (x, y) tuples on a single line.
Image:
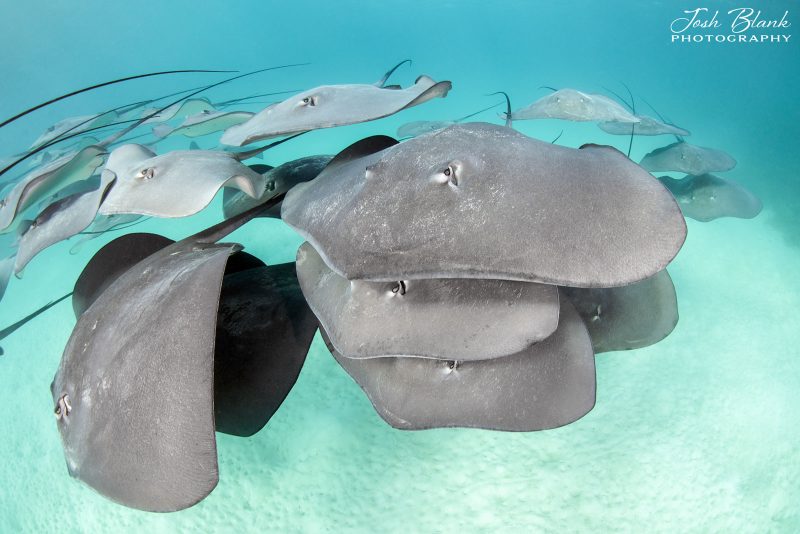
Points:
[(134, 393), (74, 124), (277, 180), (442, 318), (549, 384), (44, 181), (185, 108), (484, 201), (691, 159), (708, 197), (628, 317), (333, 105), (204, 123), (572, 105), (61, 220), (176, 184), (416, 128), (646, 126), (7, 331), (264, 331)]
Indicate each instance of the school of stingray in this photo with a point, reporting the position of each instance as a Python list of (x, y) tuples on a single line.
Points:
[(465, 276)]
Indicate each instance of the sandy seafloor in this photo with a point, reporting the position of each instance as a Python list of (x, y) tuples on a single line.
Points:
[(699, 433)]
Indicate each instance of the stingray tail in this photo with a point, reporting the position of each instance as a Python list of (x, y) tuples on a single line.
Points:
[(507, 114), (382, 82)]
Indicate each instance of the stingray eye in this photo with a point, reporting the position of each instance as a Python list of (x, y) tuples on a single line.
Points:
[(63, 408), (399, 288), (146, 174), (558, 99), (271, 185), (309, 101), (452, 365), (449, 174), (3, 203)]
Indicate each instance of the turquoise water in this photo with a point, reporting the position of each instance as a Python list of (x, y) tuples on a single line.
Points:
[(697, 433)]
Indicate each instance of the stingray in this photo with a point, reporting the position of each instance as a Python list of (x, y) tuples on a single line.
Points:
[(134, 392), (484, 201), (691, 159), (628, 317), (547, 385), (572, 105), (264, 328), (185, 108), (204, 123), (277, 180), (416, 128), (443, 318), (708, 197), (10, 329), (333, 105), (77, 124), (61, 220), (176, 184), (44, 181), (646, 126)]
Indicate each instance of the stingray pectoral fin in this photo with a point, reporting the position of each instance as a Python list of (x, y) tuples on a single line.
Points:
[(437, 90), (362, 147), (163, 130), (134, 391), (264, 331), (110, 262)]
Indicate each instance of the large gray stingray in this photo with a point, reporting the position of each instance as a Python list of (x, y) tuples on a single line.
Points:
[(442, 318), (133, 394), (176, 184), (572, 105), (549, 384), (333, 105), (204, 123), (277, 180), (646, 126), (627, 317), (44, 181), (61, 220), (691, 159), (708, 197), (483, 201)]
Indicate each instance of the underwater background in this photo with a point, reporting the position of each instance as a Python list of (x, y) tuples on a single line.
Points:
[(697, 433)]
